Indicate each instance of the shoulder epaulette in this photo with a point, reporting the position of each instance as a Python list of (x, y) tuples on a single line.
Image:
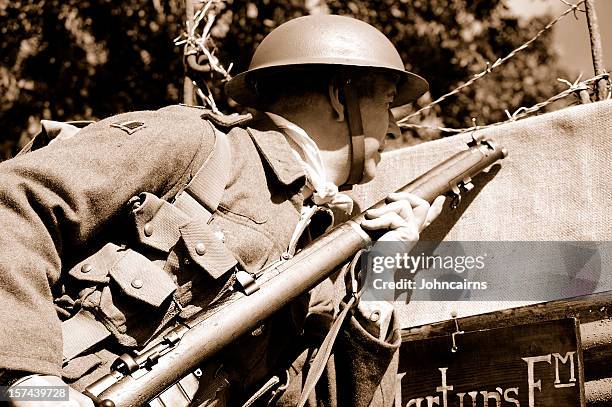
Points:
[(224, 121)]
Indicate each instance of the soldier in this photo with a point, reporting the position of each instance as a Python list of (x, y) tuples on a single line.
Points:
[(109, 236)]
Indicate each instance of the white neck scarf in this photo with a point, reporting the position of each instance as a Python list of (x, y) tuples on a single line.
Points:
[(325, 192)]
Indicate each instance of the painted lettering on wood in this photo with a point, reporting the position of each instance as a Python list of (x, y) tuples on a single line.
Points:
[(534, 365)]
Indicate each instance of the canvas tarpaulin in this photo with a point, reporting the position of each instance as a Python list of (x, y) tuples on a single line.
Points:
[(553, 186)]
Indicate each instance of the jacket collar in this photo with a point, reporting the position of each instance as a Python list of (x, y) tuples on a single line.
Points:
[(275, 149)]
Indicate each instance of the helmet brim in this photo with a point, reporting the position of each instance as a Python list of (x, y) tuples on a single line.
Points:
[(240, 88)]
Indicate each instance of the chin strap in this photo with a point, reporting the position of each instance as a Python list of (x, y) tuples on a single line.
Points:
[(353, 114)]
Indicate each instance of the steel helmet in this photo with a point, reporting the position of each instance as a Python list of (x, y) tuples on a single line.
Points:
[(325, 40)]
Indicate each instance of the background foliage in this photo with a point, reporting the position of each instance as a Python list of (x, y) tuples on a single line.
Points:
[(87, 59)]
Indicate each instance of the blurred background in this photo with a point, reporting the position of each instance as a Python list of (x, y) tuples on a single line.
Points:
[(88, 59)]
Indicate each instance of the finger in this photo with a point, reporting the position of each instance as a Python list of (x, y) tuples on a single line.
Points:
[(407, 234), (403, 208), (434, 211), (418, 204), (414, 200), (389, 220)]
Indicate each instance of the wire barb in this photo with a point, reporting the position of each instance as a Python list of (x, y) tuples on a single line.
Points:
[(567, 3), (197, 40), (522, 111), (489, 68)]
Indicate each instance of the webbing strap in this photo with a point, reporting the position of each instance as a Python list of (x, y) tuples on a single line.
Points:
[(269, 385), (305, 217), (189, 205), (320, 360), (202, 195), (80, 333), (353, 114), (317, 366)]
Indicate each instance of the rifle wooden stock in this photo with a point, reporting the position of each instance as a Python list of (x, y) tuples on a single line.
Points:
[(196, 340)]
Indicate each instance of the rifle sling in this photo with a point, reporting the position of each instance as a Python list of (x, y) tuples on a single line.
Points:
[(318, 364)]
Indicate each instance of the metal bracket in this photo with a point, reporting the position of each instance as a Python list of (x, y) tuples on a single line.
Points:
[(467, 184), (455, 348), (246, 282)]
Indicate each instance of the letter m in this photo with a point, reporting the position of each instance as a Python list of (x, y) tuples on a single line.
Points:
[(569, 356)]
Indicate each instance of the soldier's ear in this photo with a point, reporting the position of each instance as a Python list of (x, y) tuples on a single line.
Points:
[(334, 98)]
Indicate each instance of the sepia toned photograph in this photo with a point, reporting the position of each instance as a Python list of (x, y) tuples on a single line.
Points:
[(306, 203)]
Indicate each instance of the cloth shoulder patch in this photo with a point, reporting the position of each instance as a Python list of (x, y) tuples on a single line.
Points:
[(130, 126)]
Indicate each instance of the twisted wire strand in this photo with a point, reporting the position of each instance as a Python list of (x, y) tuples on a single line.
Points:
[(521, 111), (195, 42), (490, 68)]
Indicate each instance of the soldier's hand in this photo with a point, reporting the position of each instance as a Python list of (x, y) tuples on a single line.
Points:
[(404, 217), (76, 399)]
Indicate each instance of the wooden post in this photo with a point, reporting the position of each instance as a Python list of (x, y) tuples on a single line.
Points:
[(188, 96), (584, 96), (596, 49)]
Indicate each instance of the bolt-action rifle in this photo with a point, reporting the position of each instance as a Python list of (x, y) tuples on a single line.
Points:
[(136, 379)]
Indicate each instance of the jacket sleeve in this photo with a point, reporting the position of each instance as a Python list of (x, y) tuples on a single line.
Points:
[(56, 200), (366, 366), (361, 370)]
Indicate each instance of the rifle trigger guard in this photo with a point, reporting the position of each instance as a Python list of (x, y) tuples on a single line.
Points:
[(246, 282), (455, 194)]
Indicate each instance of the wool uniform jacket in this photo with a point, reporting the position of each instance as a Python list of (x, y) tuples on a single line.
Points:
[(65, 202)]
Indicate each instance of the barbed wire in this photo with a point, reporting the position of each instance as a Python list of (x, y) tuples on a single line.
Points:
[(521, 112), (497, 63), (196, 42), (567, 3)]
